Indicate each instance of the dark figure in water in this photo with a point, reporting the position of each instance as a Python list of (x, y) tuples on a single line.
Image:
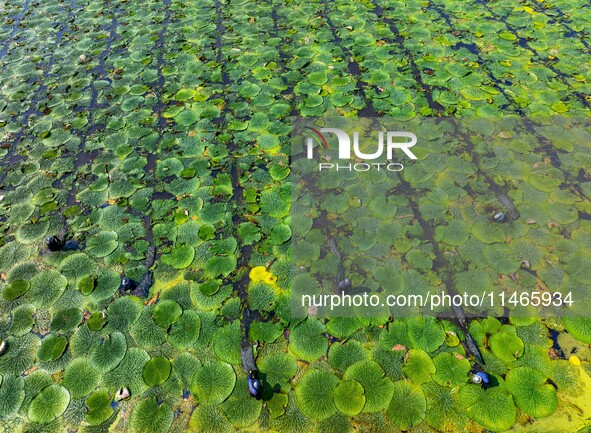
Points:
[(127, 285), (57, 243), (499, 217), (142, 289), (249, 364), (255, 387), (479, 377), (54, 243)]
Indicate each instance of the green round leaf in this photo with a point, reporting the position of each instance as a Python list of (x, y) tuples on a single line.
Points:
[(578, 327), (99, 407), (342, 356), (49, 404), (109, 353), (314, 392), (450, 370), (408, 405), (531, 391), (19, 355), (185, 331), (419, 366), (47, 287), (80, 377), (349, 397), (15, 289), (377, 387), (240, 408), (180, 257), (148, 416), (226, 343), (85, 285), (306, 340), (156, 371), (96, 321), (425, 333), (279, 368), (166, 312), (209, 419), (12, 395), (102, 244), (492, 408), (66, 320), (77, 266), (505, 344), (52, 347), (123, 313), (213, 382)]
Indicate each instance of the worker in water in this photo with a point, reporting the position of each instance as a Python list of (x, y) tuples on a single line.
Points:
[(255, 387), (481, 378)]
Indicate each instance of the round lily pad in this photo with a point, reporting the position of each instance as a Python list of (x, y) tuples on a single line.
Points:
[(315, 393), (12, 395), (102, 244), (492, 408), (22, 319), (32, 232), (124, 312), (77, 265), (531, 391), (96, 321), (450, 370), (306, 340), (240, 408), (19, 354), (156, 371), (341, 356), (166, 312), (377, 387), (185, 331), (261, 297), (180, 257), (34, 383), (505, 344), (85, 285), (279, 171), (66, 320), (49, 404), (210, 419), (456, 233), (52, 347), (47, 287), (425, 333), (279, 369), (109, 353), (184, 94), (99, 407), (268, 141), (129, 372), (220, 265), (15, 289), (265, 331), (419, 366), (149, 416), (578, 327), (226, 343), (318, 77), (349, 397), (408, 405), (80, 377), (213, 382)]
